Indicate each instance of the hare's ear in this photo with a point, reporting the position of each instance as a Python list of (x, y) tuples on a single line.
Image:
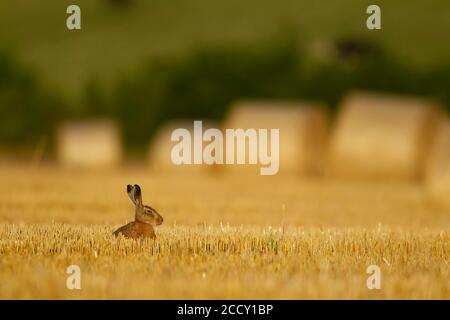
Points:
[(134, 192), (138, 195)]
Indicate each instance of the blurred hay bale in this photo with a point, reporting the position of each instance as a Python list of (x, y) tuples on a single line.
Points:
[(89, 143), (303, 130), (381, 136), (437, 179), (160, 150)]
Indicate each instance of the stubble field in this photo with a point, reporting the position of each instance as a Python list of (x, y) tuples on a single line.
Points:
[(278, 237)]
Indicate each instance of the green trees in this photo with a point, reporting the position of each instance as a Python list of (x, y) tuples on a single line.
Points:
[(202, 84), (27, 112)]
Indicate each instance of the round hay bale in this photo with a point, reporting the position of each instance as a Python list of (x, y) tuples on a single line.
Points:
[(437, 179), (89, 143), (381, 136), (161, 146), (303, 132)]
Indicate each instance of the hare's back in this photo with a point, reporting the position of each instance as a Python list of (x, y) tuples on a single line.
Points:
[(124, 230), (136, 230)]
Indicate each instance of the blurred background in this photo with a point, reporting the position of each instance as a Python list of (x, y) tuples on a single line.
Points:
[(140, 63), (350, 102)]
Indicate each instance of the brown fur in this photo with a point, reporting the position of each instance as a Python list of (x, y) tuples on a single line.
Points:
[(136, 230), (145, 218)]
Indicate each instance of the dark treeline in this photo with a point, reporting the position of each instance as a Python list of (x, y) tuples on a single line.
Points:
[(203, 83)]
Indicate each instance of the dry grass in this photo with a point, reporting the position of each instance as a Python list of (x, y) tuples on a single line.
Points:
[(264, 238)]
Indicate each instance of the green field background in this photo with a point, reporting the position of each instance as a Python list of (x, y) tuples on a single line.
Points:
[(117, 39)]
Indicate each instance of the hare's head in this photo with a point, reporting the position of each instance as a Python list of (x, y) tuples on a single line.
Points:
[(144, 213)]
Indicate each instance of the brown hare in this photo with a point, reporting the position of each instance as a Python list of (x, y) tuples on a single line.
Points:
[(145, 218)]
